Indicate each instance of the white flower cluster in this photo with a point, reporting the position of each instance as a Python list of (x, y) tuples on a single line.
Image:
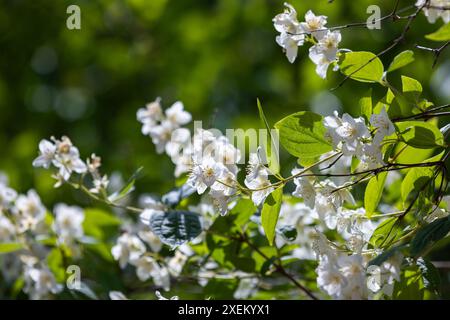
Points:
[(352, 136), (208, 156), (293, 34), (64, 156), (162, 126), (22, 221), (344, 276), (434, 12)]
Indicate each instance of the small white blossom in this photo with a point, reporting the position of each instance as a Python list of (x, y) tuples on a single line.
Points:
[(260, 187), (7, 229), (100, 183), (177, 115), (161, 297), (314, 25), (205, 174), (128, 248), (246, 288), (68, 223), (150, 115), (291, 36), (47, 151), (7, 196), (40, 283), (117, 295), (145, 267), (29, 211), (434, 12), (304, 189), (383, 124)]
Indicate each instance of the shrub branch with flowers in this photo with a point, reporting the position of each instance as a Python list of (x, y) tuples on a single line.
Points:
[(234, 225)]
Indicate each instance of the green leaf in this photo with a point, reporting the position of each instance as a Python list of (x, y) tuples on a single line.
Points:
[(100, 224), (388, 231), (236, 218), (374, 190), (428, 235), (386, 101), (270, 212), (302, 134), (415, 180), (430, 274), (410, 286), (421, 135), (55, 261), (442, 34), (8, 247), (402, 59), (272, 147), (127, 189), (362, 66), (365, 104), (411, 86), (176, 227)]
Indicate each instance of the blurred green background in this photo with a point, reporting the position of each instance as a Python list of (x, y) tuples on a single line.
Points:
[(215, 56)]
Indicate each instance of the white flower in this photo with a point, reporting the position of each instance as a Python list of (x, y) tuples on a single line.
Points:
[(47, 151), (227, 154), (29, 210), (225, 184), (256, 166), (246, 288), (176, 263), (117, 295), (325, 52), (304, 189), (151, 239), (68, 223), (40, 283), (160, 296), (351, 131), (145, 267), (355, 275), (383, 124), (290, 32), (7, 229), (347, 133), (161, 278), (100, 183), (434, 12), (7, 196), (315, 25), (177, 116), (150, 115), (161, 135), (180, 138), (286, 22), (205, 174), (371, 156), (260, 188), (329, 278), (67, 159), (329, 200), (128, 248), (290, 44), (220, 201)]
